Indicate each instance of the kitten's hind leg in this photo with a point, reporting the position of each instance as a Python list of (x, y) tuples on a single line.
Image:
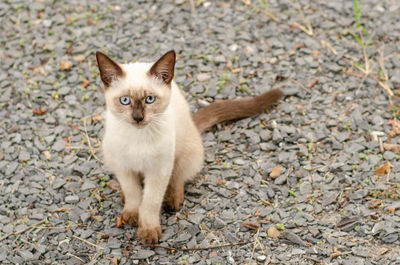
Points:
[(175, 192), (186, 166), (131, 196)]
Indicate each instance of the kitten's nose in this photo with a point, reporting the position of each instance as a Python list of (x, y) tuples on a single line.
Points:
[(138, 118)]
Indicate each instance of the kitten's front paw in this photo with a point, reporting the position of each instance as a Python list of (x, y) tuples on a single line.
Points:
[(174, 197), (130, 217), (149, 235)]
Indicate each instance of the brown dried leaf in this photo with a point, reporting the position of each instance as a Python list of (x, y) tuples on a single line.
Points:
[(47, 155), (120, 221), (252, 225), (257, 213), (392, 147), (65, 65), (70, 49), (221, 181), (85, 83), (98, 218), (276, 171), (273, 232), (384, 169), (40, 14), (40, 111), (382, 251), (79, 58), (313, 83), (14, 129), (105, 236), (374, 203), (126, 250), (395, 127), (113, 260), (97, 117), (298, 46), (61, 209)]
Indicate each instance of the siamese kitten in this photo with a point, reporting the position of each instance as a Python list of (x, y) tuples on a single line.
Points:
[(152, 143)]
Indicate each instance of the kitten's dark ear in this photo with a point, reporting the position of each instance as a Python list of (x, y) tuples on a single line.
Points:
[(109, 70), (164, 67)]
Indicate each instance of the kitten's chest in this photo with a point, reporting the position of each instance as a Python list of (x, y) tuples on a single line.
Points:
[(137, 150)]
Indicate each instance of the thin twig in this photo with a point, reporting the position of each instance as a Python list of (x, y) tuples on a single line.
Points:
[(88, 139), (268, 261), (192, 7), (87, 242), (254, 245), (337, 254), (313, 259), (21, 231), (78, 258), (196, 249)]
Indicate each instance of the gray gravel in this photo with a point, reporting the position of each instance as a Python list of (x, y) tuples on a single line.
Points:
[(59, 203)]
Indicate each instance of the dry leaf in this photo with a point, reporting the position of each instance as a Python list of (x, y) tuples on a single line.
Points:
[(65, 65), (85, 83), (126, 250), (47, 155), (14, 129), (61, 209), (97, 117), (79, 58), (313, 83), (276, 171), (382, 251), (384, 169), (392, 147), (395, 127), (257, 213), (298, 46), (73, 126), (105, 236), (392, 210), (40, 14), (374, 203), (40, 111), (98, 218), (120, 221), (221, 181), (70, 49), (273, 232), (252, 225), (316, 54), (113, 260)]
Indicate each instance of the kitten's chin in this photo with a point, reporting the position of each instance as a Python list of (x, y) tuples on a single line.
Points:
[(139, 125)]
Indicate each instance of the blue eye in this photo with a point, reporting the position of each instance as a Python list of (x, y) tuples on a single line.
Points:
[(125, 100), (150, 99)]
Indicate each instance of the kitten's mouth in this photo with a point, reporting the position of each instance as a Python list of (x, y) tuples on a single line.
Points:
[(140, 125)]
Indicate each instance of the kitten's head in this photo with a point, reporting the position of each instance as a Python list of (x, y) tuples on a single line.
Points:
[(137, 93)]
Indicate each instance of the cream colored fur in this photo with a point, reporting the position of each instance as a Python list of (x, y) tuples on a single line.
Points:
[(167, 151)]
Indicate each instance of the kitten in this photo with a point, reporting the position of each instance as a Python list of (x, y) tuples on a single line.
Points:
[(152, 142)]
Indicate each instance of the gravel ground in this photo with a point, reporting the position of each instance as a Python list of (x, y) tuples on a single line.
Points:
[(324, 204)]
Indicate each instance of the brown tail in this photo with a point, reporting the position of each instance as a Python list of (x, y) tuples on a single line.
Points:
[(231, 109)]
